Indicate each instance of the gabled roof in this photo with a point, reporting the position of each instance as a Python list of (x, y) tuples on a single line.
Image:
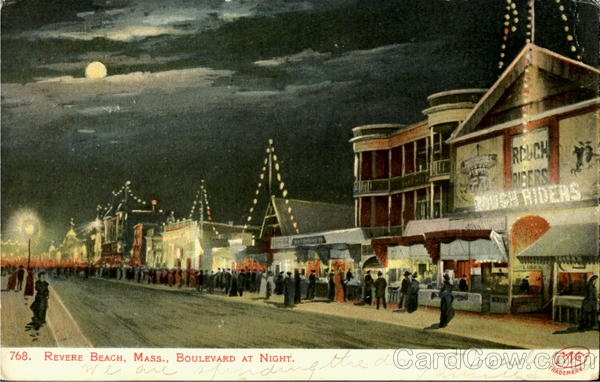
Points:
[(579, 74), (311, 216)]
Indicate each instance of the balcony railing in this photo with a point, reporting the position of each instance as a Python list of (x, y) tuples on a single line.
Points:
[(383, 186), (440, 168)]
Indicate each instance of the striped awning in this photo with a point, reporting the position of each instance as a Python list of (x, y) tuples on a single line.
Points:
[(571, 244)]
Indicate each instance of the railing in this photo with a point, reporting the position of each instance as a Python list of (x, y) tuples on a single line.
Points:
[(392, 184), (440, 167)]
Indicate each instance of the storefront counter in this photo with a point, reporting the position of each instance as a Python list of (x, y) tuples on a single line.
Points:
[(526, 303), (462, 300), (567, 308)]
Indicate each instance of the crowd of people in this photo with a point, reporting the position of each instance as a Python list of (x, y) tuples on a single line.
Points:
[(234, 282)]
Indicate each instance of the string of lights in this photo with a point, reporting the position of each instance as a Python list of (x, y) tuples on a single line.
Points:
[(200, 203), (271, 163)]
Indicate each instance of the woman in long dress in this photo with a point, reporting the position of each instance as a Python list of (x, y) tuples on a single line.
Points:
[(589, 306), (339, 286), (446, 309)]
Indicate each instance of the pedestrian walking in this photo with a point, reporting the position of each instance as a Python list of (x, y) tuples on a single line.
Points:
[(20, 276), (233, 285), (412, 303), (242, 282), (589, 306), (446, 309), (297, 288), (380, 286), (463, 286), (270, 285), (279, 283), (12, 281), (404, 289), (368, 288), (40, 303), (29, 284), (338, 279), (288, 290), (312, 285), (331, 289)]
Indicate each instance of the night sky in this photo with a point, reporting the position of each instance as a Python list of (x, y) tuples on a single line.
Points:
[(196, 88)]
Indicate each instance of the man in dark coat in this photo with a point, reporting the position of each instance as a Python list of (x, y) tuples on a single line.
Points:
[(380, 286), (368, 288), (242, 282), (412, 302), (312, 285), (279, 283), (288, 290), (331, 290), (404, 289), (446, 309), (589, 306), (20, 276), (297, 288), (233, 285), (40, 303)]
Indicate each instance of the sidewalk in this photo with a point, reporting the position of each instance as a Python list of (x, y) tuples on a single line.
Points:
[(520, 331), (60, 330), (513, 330)]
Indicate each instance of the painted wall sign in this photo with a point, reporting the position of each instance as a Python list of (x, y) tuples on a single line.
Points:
[(556, 193), (308, 240), (530, 155)]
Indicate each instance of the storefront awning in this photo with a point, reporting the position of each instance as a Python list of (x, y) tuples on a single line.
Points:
[(481, 250), (413, 252), (576, 243)]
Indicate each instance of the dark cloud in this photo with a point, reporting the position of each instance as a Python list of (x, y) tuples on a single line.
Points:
[(196, 89)]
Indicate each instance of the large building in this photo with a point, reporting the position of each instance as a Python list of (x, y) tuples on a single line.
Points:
[(496, 187)]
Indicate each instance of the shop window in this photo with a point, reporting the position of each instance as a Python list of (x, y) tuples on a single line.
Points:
[(572, 283), (527, 283)]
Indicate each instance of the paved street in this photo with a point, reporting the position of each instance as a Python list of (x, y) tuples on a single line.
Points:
[(110, 313)]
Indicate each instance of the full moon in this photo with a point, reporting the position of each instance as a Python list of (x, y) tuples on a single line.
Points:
[(95, 70)]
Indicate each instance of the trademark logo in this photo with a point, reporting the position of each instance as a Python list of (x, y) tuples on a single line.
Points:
[(570, 360)]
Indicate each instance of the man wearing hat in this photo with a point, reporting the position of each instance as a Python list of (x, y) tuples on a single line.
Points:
[(412, 302), (40, 303), (368, 288), (380, 285), (288, 290), (404, 289), (446, 309)]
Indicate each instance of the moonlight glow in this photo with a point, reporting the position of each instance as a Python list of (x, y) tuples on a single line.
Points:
[(95, 70)]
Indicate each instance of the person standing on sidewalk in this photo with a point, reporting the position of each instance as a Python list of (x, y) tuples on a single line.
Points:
[(312, 285), (368, 288), (29, 284), (20, 276), (297, 287), (404, 289), (412, 302), (589, 306), (40, 304), (288, 290), (446, 309), (380, 286)]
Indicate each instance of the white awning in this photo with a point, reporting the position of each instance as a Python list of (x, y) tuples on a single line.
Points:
[(481, 250), (413, 252)]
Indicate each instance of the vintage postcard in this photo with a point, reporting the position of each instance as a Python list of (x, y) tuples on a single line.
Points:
[(299, 190)]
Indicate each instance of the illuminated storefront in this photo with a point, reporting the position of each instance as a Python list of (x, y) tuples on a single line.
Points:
[(528, 153)]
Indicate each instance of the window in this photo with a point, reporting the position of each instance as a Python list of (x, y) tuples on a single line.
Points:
[(422, 204), (422, 160)]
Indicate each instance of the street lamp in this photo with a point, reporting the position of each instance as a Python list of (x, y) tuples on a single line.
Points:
[(27, 227)]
